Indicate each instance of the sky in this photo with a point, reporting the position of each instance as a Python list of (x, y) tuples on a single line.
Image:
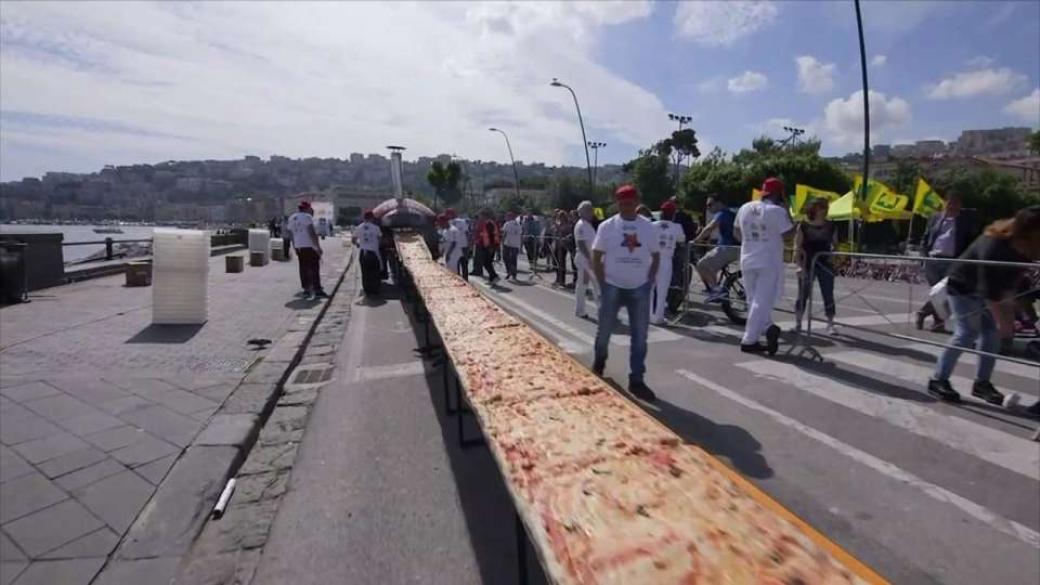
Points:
[(85, 84)]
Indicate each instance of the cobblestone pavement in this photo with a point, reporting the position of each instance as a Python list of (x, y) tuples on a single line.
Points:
[(97, 405)]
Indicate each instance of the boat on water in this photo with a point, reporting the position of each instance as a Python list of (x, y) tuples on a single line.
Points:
[(107, 230)]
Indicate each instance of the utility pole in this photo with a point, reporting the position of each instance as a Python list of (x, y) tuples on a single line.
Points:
[(595, 146)]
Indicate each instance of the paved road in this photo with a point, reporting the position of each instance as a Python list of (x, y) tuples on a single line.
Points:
[(97, 404), (924, 492)]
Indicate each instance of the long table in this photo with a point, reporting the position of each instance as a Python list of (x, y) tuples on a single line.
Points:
[(605, 492)]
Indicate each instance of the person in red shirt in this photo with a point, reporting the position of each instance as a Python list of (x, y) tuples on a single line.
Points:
[(487, 240)]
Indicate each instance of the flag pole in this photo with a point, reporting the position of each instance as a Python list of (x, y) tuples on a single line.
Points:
[(866, 107)]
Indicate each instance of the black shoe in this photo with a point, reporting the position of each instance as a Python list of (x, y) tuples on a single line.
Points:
[(1033, 410), (321, 294), (753, 348), (772, 339), (597, 368), (641, 391), (942, 390), (919, 320), (987, 392)]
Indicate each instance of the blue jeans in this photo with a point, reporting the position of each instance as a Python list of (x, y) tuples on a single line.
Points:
[(974, 326), (824, 274), (637, 303)]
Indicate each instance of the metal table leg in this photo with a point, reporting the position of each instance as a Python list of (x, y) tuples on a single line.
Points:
[(521, 551)]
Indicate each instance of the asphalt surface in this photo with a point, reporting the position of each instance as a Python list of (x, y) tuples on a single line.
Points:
[(922, 491)]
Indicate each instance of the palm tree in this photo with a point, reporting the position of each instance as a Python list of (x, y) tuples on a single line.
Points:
[(445, 181)]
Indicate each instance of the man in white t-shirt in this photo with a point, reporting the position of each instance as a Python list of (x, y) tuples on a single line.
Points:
[(308, 249), (584, 236), (625, 259), (669, 234), (511, 241), (761, 227), (367, 237), (462, 240)]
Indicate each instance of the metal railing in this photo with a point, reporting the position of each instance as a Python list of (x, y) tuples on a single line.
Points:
[(805, 339), (109, 244)]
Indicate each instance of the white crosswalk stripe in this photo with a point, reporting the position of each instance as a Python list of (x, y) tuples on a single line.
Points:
[(984, 515), (997, 447)]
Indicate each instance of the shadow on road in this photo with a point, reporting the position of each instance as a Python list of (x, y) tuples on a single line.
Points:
[(486, 505), (165, 334), (302, 304)]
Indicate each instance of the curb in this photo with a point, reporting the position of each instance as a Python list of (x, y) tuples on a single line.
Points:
[(163, 533)]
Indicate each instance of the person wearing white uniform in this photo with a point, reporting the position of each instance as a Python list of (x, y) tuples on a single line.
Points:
[(308, 249), (367, 236), (669, 234), (584, 236), (761, 227), (462, 241), (625, 258), (453, 244), (512, 238)]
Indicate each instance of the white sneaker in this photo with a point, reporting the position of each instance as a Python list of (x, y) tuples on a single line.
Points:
[(831, 329), (657, 321)]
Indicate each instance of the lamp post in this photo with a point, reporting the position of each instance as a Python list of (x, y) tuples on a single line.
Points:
[(595, 146), (584, 140), (794, 134), (682, 119), (516, 176), (866, 116)]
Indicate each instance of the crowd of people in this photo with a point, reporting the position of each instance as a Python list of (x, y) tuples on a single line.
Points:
[(634, 257)]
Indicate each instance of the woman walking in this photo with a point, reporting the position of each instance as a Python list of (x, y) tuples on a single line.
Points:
[(815, 235), (982, 299)]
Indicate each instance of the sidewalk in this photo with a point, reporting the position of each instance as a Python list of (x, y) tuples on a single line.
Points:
[(97, 405)]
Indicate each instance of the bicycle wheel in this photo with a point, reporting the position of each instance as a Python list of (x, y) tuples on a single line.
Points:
[(735, 304)]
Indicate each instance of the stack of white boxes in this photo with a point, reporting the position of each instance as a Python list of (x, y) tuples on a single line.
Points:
[(180, 271), (260, 241)]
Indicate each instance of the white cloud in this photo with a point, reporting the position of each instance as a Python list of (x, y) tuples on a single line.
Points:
[(843, 118), (747, 81), (722, 23), (1026, 109), (978, 62), (222, 80), (978, 82), (878, 61), (814, 76)]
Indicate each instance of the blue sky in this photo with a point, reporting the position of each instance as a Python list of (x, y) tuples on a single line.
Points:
[(84, 85)]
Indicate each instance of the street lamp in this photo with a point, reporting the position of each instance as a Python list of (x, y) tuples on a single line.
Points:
[(516, 176), (866, 116), (595, 146), (682, 119), (584, 140), (794, 134)]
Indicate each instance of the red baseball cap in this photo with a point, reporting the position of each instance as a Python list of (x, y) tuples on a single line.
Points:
[(626, 193), (772, 186), (368, 214), (668, 206), (304, 205), (449, 213)]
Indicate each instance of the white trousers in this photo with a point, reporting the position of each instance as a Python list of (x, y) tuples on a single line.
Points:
[(763, 287), (660, 293), (451, 261), (586, 280)]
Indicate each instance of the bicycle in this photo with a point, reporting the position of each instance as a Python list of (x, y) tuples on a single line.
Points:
[(734, 301)]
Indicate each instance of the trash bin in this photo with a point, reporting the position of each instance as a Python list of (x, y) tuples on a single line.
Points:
[(235, 263), (14, 279)]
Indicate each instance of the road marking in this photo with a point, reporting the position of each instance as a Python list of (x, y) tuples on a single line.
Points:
[(864, 321), (994, 521), (401, 370), (1030, 373), (911, 373), (988, 444)]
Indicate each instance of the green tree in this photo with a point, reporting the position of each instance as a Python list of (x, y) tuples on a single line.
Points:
[(650, 172), (906, 174), (1034, 142), (445, 181), (992, 194)]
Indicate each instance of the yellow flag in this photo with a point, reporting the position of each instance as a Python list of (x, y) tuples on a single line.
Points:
[(926, 201), (756, 194), (879, 199), (597, 212), (804, 193)]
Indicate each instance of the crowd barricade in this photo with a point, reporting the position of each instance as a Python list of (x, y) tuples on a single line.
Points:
[(603, 491), (912, 269)]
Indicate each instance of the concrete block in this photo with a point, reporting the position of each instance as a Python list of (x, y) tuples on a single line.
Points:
[(72, 462), (66, 572), (51, 527), (229, 429), (56, 445), (117, 499), (171, 520), (96, 544), (161, 571), (234, 263), (89, 475)]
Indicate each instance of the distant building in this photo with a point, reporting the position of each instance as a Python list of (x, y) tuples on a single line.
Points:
[(1008, 142), (881, 151), (929, 148)]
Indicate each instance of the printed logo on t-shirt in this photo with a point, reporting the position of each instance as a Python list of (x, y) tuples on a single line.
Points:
[(631, 241)]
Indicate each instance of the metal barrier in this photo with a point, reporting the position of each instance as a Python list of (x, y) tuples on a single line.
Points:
[(109, 244), (805, 339)]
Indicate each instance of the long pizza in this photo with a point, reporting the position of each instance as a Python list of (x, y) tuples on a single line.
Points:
[(607, 493)]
